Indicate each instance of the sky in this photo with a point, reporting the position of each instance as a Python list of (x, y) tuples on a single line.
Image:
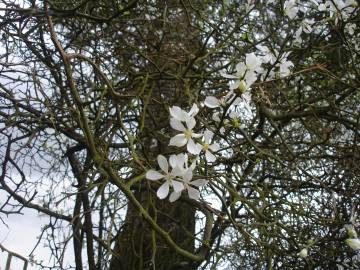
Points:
[(20, 236)]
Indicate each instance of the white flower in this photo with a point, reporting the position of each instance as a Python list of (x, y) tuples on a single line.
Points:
[(322, 7), (284, 68), (245, 72), (193, 193), (187, 135), (185, 176), (303, 253), (350, 28), (354, 243), (253, 62), (235, 118), (213, 102), (216, 117), (169, 177), (284, 65), (245, 101), (206, 146), (290, 8), (267, 55), (350, 230), (181, 115)]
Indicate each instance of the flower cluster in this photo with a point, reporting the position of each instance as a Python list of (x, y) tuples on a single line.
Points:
[(177, 174), (235, 105), (179, 177)]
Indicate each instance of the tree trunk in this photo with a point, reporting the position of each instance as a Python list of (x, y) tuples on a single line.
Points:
[(137, 246)]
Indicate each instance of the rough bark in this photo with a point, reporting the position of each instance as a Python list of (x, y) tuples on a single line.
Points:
[(137, 246)]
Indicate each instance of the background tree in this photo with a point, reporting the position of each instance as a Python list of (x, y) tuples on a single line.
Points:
[(85, 92)]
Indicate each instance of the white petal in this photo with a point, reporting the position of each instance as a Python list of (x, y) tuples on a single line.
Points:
[(177, 171), (303, 253), (177, 160), (234, 85), (163, 191), (185, 159), (354, 243), (178, 186), (228, 76), (163, 163), (174, 196), (193, 193), (214, 147), (188, 175), (208, 134), (178, 140), (178, 113), (196, 135), (193, 148), (190, 123), (176, 124), (199, 182), (216, 117), (246, 97), (153, 175), (240, 70), (172, 161), (194, 110), (234, 115), (250, 78), (209, 156), (211, 102), (252, 61)]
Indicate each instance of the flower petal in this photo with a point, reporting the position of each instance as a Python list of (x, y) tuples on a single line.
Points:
[(177, 160), (163, 163), (178, 140), (211, 102), (178, 186), (177, 171), (177, 113), (196, 135), (193, 193), (190, 123), (250, 78), (209, 156), (228, 76), (153, 175), (240, 70), (176, 124), (174, 196), (252, 61), (208, 134), (194, 110), (188, 175), (354, 243), (234, 85), (214, 147), (216, 117), (163, 191), (193, 148), (199, 182)]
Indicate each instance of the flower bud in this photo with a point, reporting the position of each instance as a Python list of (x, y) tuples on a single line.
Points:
[(354, 243), (303, 253), (242, 86)]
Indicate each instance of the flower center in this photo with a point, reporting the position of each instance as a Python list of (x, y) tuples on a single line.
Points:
[(206, 146), (188, 134)]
